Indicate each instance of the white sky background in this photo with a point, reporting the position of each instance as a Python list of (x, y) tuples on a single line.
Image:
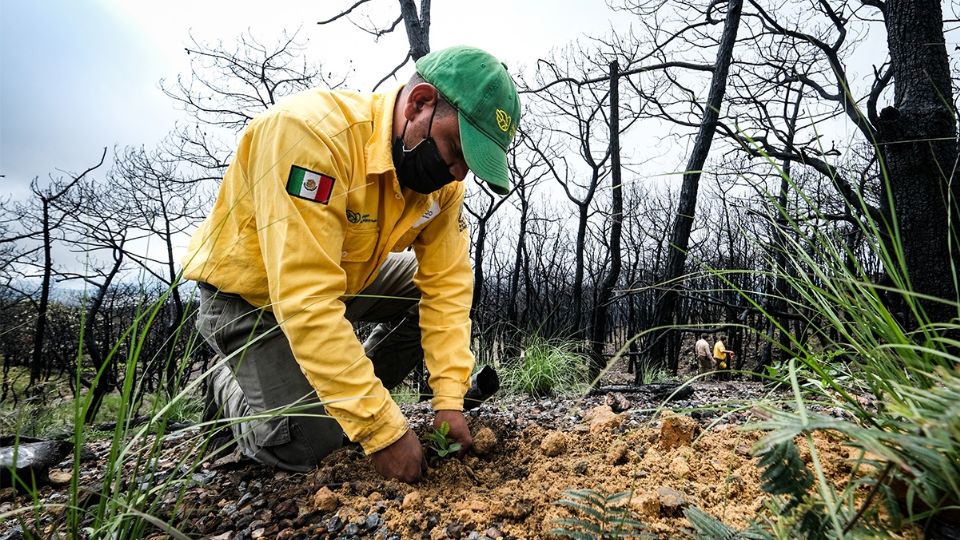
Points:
[(79, 75)]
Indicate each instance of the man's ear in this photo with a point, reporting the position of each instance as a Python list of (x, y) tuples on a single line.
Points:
[(421, 95)]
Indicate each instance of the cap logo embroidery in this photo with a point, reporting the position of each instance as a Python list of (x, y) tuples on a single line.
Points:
[(503, 120)]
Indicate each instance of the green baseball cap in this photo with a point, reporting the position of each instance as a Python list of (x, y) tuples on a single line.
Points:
[(478, 85)]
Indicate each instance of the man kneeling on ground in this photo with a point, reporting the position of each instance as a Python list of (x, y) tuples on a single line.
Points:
[(309, 233)]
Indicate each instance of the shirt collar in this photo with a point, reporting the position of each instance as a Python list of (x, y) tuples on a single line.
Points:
[(378, 150)]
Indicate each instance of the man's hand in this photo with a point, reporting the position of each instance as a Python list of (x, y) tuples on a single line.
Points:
[(403, 460), (458, 428)]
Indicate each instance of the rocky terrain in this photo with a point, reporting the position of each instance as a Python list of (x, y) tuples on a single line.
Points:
[(528, 453)]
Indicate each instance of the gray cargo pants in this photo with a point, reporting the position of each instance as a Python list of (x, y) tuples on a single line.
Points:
[(261, 376)]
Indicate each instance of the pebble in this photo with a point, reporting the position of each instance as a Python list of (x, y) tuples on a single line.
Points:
[(484, 442), (493, 533), (410, 500), (326, 500), (286, 509), (372, 522), (335, 524), (677, 430), (618, 454), (671, 501), (554, 444), (454, 530)]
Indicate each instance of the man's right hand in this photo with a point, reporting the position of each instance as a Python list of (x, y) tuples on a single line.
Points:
[(403, 460)]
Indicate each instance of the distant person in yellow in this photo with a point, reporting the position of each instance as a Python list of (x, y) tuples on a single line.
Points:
[(721, 355), (310, 232)]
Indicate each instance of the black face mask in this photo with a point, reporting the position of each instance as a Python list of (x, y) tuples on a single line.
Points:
[(421, 168)]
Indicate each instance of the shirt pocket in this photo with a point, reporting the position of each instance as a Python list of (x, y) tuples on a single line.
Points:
[(359, 243)]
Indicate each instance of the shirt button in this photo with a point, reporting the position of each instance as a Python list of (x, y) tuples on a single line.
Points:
[(344, 254), (398, 196)]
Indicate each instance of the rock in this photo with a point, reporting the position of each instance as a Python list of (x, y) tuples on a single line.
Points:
[(618, 454), (677, 430), (514, 509), (554, 444), (33, 460), (335, 524), (581, 467), (352, 529), (493, 533), (646, 504), (617, 402), (742, 450), (286, 509), (372, 522), (484, 442), (411, 500), (602, 418), (245, 499), (60, 477), (671, 501), (679, 467), (326, 500), (454, 530)]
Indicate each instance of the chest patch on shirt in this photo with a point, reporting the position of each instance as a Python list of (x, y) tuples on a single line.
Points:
[(310, 185), (428, 215)]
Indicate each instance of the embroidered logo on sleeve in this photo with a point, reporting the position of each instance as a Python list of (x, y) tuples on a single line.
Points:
[(310, 185), (428, 215)]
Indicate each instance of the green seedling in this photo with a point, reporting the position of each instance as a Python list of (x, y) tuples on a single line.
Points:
[(441, 443)]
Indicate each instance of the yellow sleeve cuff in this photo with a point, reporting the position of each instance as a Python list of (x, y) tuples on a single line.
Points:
[(447, 394), (377, 433)]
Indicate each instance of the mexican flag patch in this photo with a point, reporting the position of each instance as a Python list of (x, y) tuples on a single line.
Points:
[(310, 185)]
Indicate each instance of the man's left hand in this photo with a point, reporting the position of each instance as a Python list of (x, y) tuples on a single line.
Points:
[(459, 431)]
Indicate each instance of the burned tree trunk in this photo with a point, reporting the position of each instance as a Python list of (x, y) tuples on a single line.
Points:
[(682, 225), (599, 327), (919, 145)]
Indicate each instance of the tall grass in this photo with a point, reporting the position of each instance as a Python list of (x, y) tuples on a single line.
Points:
[(546, 367), (130, 497), (893, 374)]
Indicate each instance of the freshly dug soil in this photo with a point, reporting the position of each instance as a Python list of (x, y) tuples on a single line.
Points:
[(528, 453), (511, 491)]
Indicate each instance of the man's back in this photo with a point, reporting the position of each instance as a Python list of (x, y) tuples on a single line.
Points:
[(702, 347), (360, 218)]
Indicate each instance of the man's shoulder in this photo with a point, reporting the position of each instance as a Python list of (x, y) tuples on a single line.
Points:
[(323, 107)]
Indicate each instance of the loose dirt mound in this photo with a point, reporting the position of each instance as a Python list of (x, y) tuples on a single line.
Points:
[(527, 454), (511, 491)]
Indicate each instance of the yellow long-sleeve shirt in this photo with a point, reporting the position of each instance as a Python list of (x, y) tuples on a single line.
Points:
[(302, 258)]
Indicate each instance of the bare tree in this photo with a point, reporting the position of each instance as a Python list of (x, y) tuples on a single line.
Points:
[(919, 137), (164, 208), (230, 84), (683, 223), (415, 21), (42, 221)]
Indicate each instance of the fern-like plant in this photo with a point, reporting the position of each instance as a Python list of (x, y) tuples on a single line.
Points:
[(788, 481), (597, 516)]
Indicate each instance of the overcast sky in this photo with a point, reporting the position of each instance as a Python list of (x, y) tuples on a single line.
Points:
[(78, 75)]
